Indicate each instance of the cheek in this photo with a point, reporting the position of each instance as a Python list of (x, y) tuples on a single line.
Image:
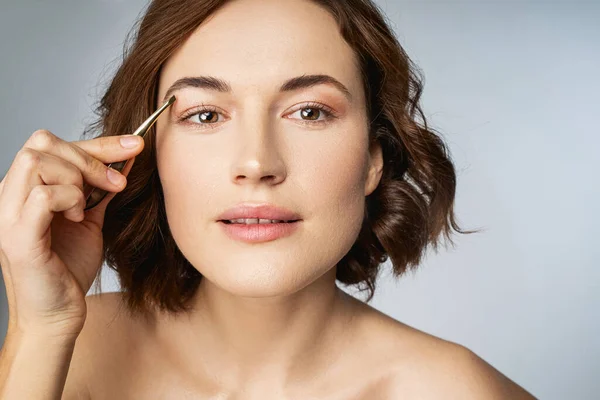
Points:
[(332, 179), (189, 179), (336, 176)]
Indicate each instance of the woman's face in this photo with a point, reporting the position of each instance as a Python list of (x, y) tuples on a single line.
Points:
[(259, 145)]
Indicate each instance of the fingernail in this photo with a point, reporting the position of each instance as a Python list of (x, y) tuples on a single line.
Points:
[(130, 141), (115, 177)]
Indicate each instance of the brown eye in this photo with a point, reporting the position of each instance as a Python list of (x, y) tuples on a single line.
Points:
[(206, 116), (311, 113), (315, 114)]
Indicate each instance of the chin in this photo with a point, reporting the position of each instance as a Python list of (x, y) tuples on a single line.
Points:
[(260, 279), (256, 290)]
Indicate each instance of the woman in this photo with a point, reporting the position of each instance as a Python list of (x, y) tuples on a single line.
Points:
[(298, 114)]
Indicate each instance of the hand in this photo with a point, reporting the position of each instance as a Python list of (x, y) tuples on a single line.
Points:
[(50, 248)]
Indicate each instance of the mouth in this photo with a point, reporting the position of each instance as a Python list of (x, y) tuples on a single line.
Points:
[(255, 221), (254, 230)]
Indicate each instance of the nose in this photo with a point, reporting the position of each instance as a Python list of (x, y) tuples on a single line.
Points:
[(259, 158)]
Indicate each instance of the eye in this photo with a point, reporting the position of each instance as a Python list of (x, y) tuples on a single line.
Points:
[(311, 112), (205, 115)]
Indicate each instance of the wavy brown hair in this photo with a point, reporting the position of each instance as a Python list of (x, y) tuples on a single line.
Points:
[(411, 208)]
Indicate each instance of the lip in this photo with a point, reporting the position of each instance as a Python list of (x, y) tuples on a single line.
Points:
[(259, 233), (261, 211)]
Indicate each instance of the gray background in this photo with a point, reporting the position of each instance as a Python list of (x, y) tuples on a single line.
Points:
[(514, 88)]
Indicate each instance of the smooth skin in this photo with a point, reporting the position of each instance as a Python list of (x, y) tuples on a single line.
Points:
[(269, 321)]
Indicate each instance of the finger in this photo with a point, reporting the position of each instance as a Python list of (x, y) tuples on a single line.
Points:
[(96, 214), (32, 168), (43, 201), (88, 155), (108, 149), (91, 156)]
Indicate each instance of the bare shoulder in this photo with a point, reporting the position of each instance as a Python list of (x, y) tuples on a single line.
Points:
[(103, 334), (419, 365), (456, 372)]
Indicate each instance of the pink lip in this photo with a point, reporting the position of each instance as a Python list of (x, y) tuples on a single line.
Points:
[(257, 233), (264, 211)]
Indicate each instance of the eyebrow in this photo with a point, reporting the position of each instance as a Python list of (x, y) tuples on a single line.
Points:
[(220, 85)]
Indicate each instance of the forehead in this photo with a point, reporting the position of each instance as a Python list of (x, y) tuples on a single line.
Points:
[(256, 43)]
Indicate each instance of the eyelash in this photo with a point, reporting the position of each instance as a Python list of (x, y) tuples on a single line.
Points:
[(329, 115)]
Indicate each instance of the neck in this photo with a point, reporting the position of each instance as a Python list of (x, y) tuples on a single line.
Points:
[(271, 341)]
